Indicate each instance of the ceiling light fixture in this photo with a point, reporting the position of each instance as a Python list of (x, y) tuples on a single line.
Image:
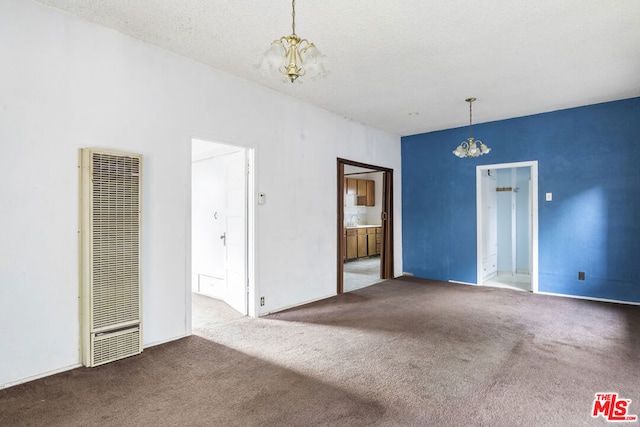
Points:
[(293, 56), (469, 148)]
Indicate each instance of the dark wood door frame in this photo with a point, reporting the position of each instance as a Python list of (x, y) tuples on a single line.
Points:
[(386, 255)]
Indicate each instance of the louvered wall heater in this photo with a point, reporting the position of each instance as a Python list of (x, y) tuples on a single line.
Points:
[(110, 214)]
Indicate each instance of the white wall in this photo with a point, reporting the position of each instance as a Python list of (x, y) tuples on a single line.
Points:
[(66, 84)]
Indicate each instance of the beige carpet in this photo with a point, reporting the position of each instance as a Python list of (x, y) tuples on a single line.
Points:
[(403, 352)]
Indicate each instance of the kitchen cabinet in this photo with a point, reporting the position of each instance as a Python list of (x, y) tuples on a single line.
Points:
[(370, 197), (371, 241), (351, 186), (362, 243), (351, 243), (363, 189)]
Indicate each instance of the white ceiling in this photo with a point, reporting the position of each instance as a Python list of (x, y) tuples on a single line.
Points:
[(407, 67)]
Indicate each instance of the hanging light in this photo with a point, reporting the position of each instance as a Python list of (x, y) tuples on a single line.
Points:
[(469, 148), (294, 57)]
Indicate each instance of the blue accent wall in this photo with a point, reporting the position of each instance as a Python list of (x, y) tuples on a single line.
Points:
[(588, 157)]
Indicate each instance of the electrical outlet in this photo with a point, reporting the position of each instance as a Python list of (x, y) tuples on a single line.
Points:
[(261, 301), (580, 275)]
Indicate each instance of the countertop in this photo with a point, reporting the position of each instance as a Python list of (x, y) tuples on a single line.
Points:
[(361, 226)]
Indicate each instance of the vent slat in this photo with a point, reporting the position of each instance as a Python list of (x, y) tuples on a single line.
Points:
[(116, 236), (110, 347)]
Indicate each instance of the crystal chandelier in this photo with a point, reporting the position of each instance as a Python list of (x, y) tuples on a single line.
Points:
[(469, 148), (294, 57)]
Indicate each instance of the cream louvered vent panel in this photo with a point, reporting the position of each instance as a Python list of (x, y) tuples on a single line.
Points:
[(111, 346), (116, 228), (110, 216)]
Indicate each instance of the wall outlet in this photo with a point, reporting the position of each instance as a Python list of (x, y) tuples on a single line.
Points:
[(261, 301), (580, 275)]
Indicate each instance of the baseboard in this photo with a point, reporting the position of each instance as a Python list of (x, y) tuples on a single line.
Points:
[(615, 301), (75, 366), (566, 295), (42, 375), (295, 305), (155, 343), (463, 283)]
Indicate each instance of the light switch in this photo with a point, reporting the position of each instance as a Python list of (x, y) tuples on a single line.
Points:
[(549, 197), (261, 198)]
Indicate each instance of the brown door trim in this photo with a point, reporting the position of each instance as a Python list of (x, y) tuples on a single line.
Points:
[(386, 256)]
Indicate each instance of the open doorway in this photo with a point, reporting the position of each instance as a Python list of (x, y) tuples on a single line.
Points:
[(365, 225), (219, 223), (507, 215)]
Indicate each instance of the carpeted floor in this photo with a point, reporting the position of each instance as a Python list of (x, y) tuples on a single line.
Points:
[(403, 352)]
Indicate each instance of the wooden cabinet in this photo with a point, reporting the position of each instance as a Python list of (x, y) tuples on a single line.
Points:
[(361, 242), (370, 197), (351, 243), (371, 241), (363, 189), (351, 186)]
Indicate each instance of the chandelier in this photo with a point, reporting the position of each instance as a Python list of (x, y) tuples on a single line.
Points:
[(469, 148), (294, 57)]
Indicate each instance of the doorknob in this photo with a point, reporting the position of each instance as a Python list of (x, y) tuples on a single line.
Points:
[(224, 238)]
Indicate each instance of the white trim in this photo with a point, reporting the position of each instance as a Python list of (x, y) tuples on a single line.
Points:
[(463, 283), (41, 375), (177, 337), (534, 207), (302, 303), (615, 301), (252, 201)]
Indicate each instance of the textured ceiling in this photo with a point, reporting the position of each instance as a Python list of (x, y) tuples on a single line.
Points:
[(406, 67)]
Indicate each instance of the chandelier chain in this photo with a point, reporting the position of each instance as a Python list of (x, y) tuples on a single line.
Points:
[(293, 16), (470, 121)]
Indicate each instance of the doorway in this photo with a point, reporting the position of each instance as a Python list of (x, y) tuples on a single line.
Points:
[(363, 222), (219, 223), (365, 225), (507, 225)]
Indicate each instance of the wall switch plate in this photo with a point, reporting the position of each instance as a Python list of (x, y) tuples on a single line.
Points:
[(262, 198), (549, 197), (261, 301)]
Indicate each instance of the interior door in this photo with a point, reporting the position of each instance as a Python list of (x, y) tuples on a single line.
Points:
[(235, 237), (208, 224)]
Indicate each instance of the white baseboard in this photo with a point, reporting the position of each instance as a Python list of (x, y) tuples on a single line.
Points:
[(155, 343), (75, 366), (567, 296), (615, 301), (463, 283), (41, 375), (295, 305)]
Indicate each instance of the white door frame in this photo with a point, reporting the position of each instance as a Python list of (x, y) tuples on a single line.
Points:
[(534, 217), (250, 224)]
